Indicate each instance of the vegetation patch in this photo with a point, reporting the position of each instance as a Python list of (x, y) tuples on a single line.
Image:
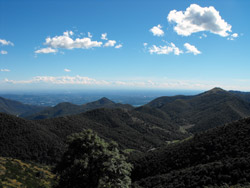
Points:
[(16, 173)]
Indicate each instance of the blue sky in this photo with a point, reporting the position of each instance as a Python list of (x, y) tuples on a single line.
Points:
[(124, 44)]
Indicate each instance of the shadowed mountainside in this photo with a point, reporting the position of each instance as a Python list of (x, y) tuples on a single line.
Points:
[(215, 157), (193, 113), (17, 108), (43, 140), (23, 139), (243, 95), (201, 112)]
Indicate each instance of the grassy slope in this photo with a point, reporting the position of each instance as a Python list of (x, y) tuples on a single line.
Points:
[(16, 174)]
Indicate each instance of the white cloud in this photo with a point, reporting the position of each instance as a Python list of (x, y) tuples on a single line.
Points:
[(46, 51), (4, 70), (90, 35), (68, 33), (163, 83), (118, 46), (60, 80), (3, 52), (67, 70), (157, 31), (104, 36), (203, 36), (165, 49), (110, 43), (191, 49), (66, 42), (233, 36), (145, 44), (5, 42), (196, 19)]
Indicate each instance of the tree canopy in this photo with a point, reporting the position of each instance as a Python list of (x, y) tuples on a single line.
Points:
[(91, 162)]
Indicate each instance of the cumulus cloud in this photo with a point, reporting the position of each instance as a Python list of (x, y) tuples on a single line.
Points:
[(6, 43), (165, 49), (67, 70), (191, 49), (3, 52), (157, 30), (104, 36), (65, 41), (196, 19), (118, 46), (46, 51), (145, 44), (4, 70), (110, 43)]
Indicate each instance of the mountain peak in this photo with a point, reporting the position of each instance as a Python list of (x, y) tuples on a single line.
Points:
[(105, 100), (215, 90)]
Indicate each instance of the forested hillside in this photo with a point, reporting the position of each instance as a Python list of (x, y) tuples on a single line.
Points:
[(66, 108), (215, 157), (204, 111), (43, 140)]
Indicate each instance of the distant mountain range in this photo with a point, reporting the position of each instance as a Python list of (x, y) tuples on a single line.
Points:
[(193, 113), (63, 109), (17, 108)]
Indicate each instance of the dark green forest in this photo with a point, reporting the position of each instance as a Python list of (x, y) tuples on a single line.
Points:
[(180, 141)]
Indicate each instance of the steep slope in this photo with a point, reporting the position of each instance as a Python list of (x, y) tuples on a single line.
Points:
[(17, 108), (206, 110), (63, 109), (28, 140), (220, 155)]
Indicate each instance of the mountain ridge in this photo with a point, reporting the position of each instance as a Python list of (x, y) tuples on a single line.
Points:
[(17, 108), (206, 110), (66, 108)]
